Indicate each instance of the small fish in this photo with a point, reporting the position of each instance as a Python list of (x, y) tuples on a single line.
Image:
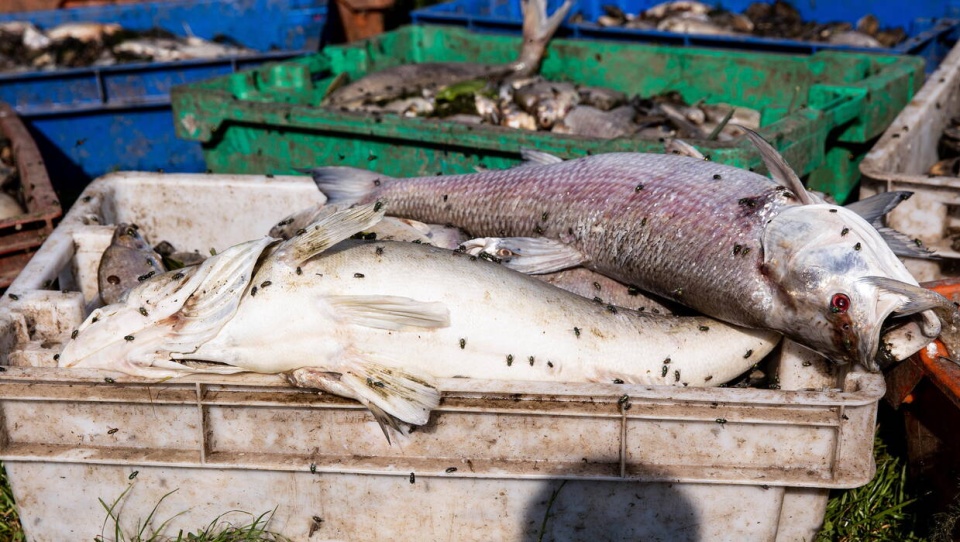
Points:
[(386, 339), (749, 250), (125, 262), (592, 122), (548, 101), (602, 98), (431, 77)]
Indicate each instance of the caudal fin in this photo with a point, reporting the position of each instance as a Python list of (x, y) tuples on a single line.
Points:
[(345, 185), (537, 31)]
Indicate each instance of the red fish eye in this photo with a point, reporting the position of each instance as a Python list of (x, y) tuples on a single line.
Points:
[(839, 303)]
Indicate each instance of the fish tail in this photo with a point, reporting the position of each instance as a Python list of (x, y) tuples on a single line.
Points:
[(345, 185), (537, 31)]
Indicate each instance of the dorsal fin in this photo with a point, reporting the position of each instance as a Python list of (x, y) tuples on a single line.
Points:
[(533, 157), (874, 208), (781, 172)]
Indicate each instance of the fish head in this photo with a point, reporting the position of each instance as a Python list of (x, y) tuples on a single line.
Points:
[(842, 292)]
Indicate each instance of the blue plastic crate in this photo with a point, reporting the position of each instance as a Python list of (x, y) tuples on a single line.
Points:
[(932, 26), (91, 121)]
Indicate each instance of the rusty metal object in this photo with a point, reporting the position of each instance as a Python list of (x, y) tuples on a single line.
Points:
[(362, 19), (22, 235)]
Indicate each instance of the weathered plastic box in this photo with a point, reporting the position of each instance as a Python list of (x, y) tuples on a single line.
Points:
[(818, 110), (21, 235), (498, 460), (900, 160)]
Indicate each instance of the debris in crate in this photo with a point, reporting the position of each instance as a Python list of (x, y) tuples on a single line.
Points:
[(458, 318), (10, 194), (128, 261), (770, 20), (25, 47), (429, 77), (724, 241)]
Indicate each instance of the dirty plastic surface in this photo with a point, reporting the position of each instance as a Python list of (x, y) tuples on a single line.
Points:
[(269, 120), (663, 464), (900, 160)]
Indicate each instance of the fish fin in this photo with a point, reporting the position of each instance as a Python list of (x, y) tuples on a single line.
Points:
[(394, 396), (780, 170), (529, 255), (534, 157), (341, 184), (875, 207), (681, 147), (390, 312), (328, 230), (538, 28), (903, 245)]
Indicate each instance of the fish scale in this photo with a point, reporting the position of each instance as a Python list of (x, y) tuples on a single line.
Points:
[(656, 237)]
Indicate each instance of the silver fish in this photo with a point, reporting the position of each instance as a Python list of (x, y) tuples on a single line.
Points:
[(727, 242), (429, 77), (125, 263), (592, 122), (381, 321), (602, 98)]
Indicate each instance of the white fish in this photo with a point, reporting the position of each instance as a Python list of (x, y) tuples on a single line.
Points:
[(379, 321)]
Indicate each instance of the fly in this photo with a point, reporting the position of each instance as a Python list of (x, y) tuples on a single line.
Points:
[(544, 216), (376, 208), (379, 251), (638, 188), (74, 334), (145, 276), (313, 468), (265, 283), (128, 338), (530, 359), (721, 421), (14, 297), (463, 344), (748, 354), (358, 275), (663, 374), (612, 309), (576, 331), (676, 375), (596, 285), (108, 380), (143, 311), (413, 478), (253, 291), (177, 276), (856, 246), (617, 381), (703, 328), (299, 271), (133, 475), (844, 231), (450, 470), (509, 360), (112, 430)]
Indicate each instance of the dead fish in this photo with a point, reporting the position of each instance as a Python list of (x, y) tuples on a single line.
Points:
[(665, 9), (724, 241), (176, 259), (547, 101), (693, 25), (512, 116), (602, 98), (592, 122), (415, 79), (386, 320), (87, 32), (168, 50), (128, 261), (853, 39)]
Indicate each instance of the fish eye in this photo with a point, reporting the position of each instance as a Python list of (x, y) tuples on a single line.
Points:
[(839, 303)]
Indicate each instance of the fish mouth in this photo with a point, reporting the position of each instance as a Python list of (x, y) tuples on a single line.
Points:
[(907, 319)]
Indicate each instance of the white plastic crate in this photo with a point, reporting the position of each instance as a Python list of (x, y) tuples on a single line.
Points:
[(900, 161), (678, 464)]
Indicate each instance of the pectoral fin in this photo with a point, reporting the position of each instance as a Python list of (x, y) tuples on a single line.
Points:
[(328, 230), (530, 255), (394, 397), (390, 312)]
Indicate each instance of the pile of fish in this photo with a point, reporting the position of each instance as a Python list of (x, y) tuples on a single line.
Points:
[(512, 95), (10, 196), (25, 47), (948, 149), (778, 20), (380, 320)]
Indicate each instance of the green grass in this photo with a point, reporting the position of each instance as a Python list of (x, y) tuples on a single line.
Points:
[(878, 511), (10, 529)]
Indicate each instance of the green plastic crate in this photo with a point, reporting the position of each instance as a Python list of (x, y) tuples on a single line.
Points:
[(818, 110)]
